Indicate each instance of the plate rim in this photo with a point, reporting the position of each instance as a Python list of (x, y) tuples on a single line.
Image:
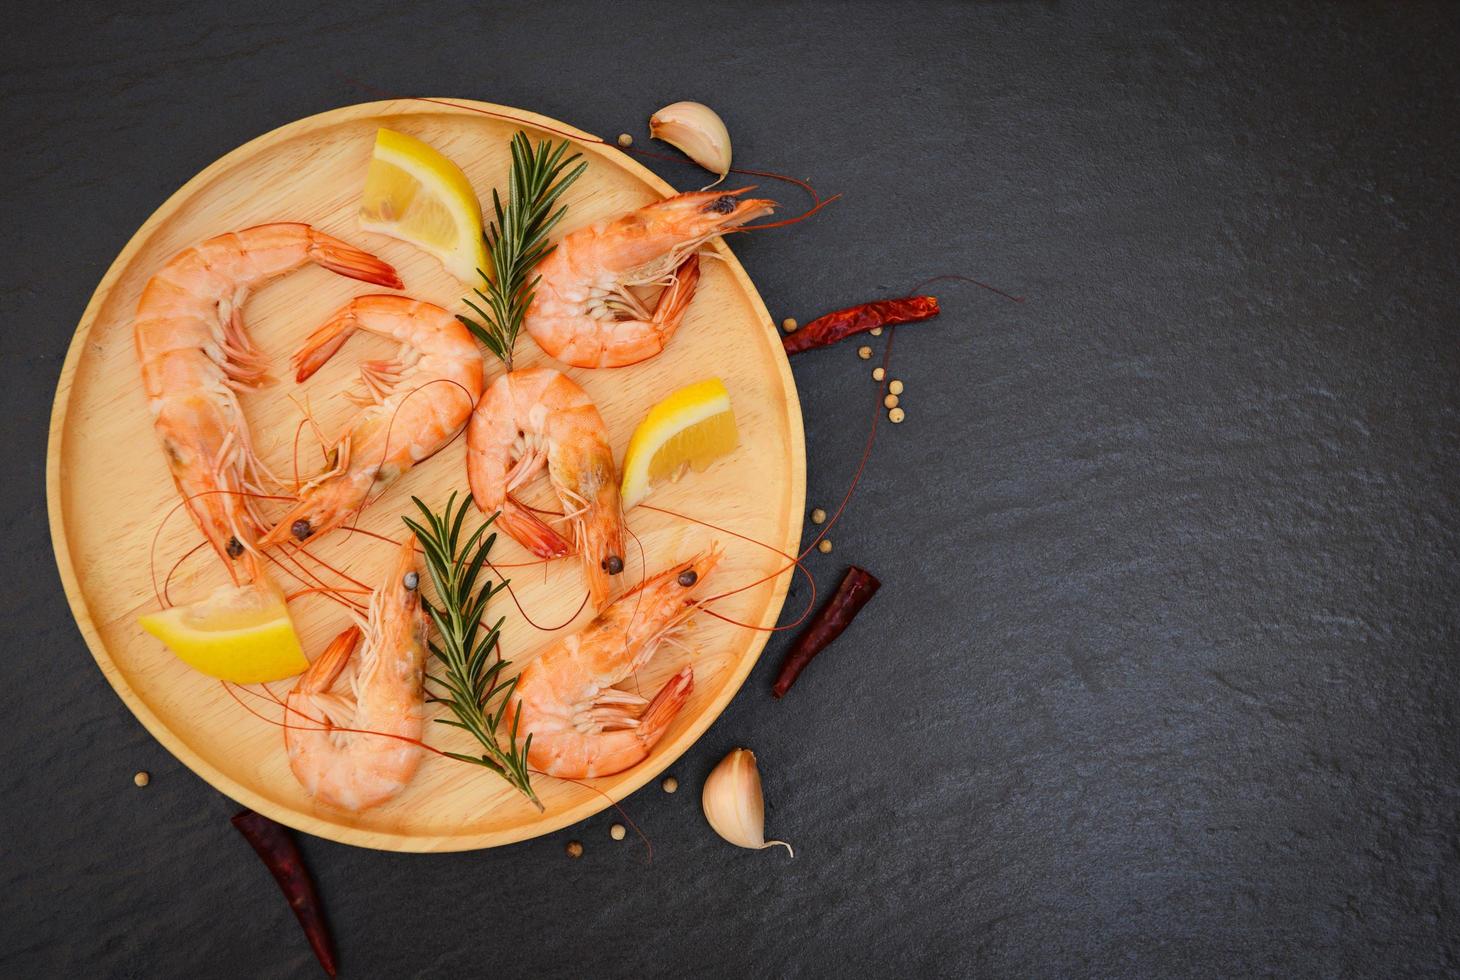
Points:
[(314, 824)]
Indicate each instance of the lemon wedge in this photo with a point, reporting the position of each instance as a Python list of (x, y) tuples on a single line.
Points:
[(688, 430), (415, 194), (236, 634)]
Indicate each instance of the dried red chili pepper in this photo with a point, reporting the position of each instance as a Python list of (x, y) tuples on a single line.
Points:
[(276, 847), (855, 319), (857, 587)]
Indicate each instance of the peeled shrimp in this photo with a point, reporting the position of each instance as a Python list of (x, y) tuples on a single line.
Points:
[(584, 311), (415, 404), (537, 417), (196, 356), (581, 725), (350, 738)]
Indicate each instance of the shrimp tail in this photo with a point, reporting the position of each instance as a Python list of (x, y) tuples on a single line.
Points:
[(325, 342), (530, 531), (347, 260), (666, 704), (325, 670)]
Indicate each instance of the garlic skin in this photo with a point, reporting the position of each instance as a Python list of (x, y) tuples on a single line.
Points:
[(698, 131), (733, 802)]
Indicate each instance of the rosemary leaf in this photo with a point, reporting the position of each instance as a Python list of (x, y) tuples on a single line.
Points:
[(470, 683), (517, 240)]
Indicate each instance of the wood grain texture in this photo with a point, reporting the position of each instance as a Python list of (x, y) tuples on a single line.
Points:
[(109, 493)]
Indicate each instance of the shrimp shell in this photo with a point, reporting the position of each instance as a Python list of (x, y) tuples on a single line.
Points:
[(415, 404), (581, 725), (584, 311), (534, 418), (350, 738), (196, 356)]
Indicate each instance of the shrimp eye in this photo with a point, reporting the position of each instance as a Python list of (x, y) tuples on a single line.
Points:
[(411, 580), (688, 577), (613, 564), (723, 204), (235, 547), (301, 529)]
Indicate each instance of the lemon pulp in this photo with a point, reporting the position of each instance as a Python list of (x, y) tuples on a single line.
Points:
[(414, 193), (690, 429), (240, 634)]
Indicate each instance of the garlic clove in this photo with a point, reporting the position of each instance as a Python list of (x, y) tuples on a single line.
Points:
[(734, 804), (698, 131)]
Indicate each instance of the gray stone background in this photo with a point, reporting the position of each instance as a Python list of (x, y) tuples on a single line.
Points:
[(1162, 679)]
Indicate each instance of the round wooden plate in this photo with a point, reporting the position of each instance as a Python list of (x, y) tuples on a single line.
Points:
[(111, 500)]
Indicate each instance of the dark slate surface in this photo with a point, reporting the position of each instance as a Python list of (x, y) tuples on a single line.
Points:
[(1162, 680)]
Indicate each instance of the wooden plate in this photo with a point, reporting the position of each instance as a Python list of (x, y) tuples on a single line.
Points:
[(109, 491)]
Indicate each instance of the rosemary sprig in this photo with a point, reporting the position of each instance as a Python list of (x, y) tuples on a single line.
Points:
[(517, 241), (472, 685)]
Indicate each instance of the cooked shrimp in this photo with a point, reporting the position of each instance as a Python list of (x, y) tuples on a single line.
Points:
[(581, 725), (584, 311), (351, 740), (414, 405), (537, 417), (195, 357)]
